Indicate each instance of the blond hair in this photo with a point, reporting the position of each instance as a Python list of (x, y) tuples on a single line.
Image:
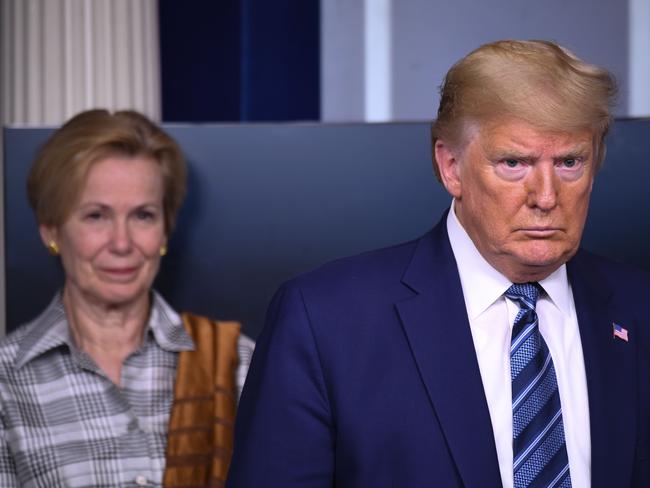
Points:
[(539, 82), (56, 179)]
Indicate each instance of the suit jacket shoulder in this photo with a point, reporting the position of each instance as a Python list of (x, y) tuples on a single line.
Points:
[(360, 272), (623, 276), (351, 379)]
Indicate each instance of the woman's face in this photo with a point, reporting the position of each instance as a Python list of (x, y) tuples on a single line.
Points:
[(110, 243)]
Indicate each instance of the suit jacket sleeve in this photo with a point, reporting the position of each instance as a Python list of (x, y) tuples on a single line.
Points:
[(284, 433)]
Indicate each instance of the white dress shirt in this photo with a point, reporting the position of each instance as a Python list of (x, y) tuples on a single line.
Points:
[(491, 317)]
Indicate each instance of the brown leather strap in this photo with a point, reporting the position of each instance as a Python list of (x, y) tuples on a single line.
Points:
[(200, 436)]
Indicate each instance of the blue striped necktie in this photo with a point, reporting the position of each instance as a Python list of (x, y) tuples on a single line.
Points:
[(539, 449)]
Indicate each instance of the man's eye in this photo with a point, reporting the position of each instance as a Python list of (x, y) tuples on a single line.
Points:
[(511, 163), (570, 163)]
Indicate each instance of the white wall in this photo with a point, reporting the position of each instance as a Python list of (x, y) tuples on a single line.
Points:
[(342, 60), (639, 58), (64, 56), (428, 36)]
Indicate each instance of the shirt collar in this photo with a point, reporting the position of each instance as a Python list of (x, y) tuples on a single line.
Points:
[(558, 290), (167, 327), (50, 330), (47, 331), (482, 284)]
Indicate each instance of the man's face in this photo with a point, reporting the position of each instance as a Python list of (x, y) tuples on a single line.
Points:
[(522, 194)]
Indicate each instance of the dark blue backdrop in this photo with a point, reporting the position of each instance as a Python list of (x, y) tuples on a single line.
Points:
[(232, 60), (268, 201)]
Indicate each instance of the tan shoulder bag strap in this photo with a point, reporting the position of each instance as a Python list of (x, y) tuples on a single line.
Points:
[(200, 436)]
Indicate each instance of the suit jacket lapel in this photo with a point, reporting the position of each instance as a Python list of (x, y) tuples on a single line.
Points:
[(611, 375), (436, 325)]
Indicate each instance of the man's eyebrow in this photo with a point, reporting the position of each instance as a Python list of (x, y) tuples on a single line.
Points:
[(578, 151), (510, 153), (581, 150)]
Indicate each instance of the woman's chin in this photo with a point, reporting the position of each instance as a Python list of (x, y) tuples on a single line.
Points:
[(118, 295)]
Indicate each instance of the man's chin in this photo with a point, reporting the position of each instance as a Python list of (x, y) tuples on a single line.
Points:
[(538, 267), (533, 263)]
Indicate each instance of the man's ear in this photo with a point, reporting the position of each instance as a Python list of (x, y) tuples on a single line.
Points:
[(449, 167)]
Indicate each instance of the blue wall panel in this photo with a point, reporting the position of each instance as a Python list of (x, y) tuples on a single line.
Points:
[(268, 201)]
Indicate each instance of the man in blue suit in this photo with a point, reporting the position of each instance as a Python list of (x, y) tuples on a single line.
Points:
[(490, 352)]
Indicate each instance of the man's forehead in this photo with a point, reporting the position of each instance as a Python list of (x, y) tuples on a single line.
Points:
[(520, 135)]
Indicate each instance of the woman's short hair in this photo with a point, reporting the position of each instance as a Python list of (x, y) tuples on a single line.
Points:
[(56, 179), (539, 82)]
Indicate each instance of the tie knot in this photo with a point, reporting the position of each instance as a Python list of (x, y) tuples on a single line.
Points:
[(524, 293)]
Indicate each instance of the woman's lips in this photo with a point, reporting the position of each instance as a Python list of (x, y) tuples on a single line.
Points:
[(120, 273)]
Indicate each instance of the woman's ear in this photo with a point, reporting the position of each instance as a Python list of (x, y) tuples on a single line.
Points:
[(49, 236)]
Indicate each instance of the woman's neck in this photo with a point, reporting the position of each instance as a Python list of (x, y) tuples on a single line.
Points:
[(108, 333)]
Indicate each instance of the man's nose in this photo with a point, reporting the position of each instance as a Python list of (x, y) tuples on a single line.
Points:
[(543, 187)]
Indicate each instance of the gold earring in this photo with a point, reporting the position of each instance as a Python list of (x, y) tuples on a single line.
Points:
[(163, 249), (53, 248)]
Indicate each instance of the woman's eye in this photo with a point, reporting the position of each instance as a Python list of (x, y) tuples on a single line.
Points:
[(94, 215), (145, 215)]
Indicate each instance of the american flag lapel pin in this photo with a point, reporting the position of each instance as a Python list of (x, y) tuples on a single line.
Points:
[(619, 332)]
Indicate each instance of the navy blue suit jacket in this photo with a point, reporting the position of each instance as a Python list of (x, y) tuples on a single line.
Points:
[(365, 376)]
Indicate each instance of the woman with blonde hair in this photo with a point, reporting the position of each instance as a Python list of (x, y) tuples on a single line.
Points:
[(109, 386)]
